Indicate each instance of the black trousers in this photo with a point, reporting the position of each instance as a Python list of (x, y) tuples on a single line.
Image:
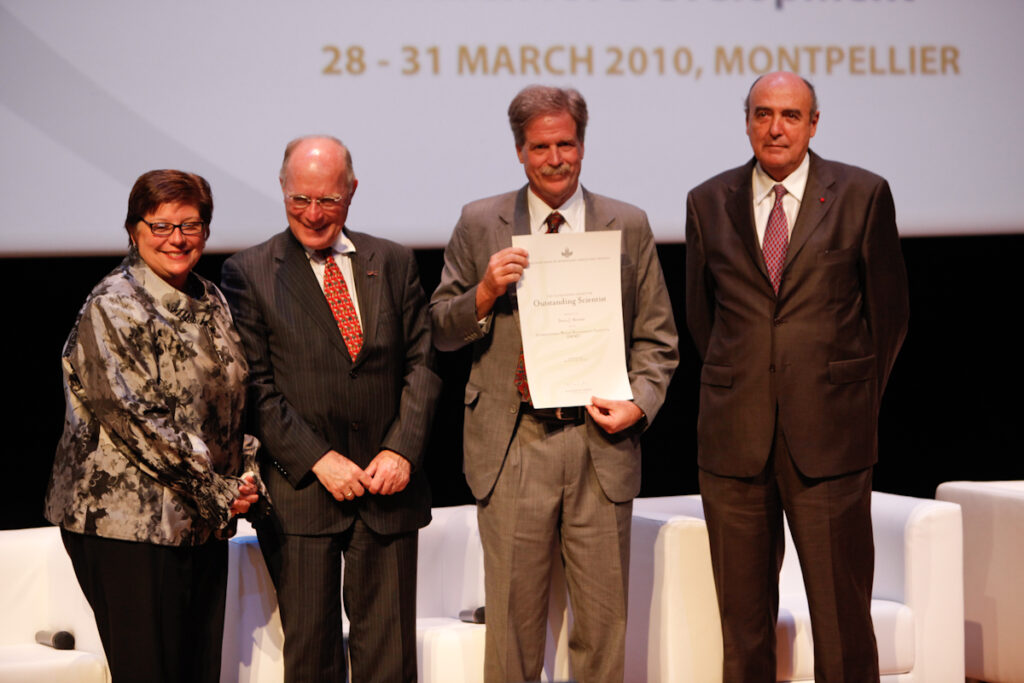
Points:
[(379, 596), (830, 520), (159, 609)]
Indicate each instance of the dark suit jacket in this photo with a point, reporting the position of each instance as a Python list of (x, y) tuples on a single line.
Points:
[(821, 351), (492, 400), (307, 396)]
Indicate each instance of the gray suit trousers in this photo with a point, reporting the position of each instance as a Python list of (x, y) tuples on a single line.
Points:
[(548, 500)]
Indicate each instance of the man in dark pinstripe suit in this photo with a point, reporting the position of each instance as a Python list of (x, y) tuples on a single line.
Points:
[(342, 421)]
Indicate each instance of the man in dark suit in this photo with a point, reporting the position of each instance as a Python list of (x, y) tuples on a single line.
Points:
[(796, 297), (565, 477), (342, 393)]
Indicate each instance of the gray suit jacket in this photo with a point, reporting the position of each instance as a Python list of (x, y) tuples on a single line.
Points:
[(492, 400), (822, 350), (307, 396)]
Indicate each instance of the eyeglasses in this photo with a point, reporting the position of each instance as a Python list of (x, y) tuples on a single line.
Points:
[(162, 229), (302, 202)]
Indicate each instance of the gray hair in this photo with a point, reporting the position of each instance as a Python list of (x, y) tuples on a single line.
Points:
[(534, 100)]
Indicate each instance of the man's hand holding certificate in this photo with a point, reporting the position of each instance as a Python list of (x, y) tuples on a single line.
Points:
[(570, 314)]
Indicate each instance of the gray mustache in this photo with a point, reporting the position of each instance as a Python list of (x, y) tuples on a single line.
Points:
[(561, 169)]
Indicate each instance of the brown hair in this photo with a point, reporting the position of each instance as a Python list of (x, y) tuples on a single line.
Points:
[(534, 100), (165, 186)]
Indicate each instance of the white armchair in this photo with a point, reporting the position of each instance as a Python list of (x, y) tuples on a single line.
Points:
[(993, 576), (672, 632), (253, 638), (917, 599), (449, 580), (39, 591)]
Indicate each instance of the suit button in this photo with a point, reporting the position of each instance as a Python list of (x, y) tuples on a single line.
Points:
[(771, 368), (779, 321), (352, 374), (355, 426), (513, 410)]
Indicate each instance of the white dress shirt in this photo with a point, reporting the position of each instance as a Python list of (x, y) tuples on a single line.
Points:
[(573, 210), (764, 197), (342, 248)]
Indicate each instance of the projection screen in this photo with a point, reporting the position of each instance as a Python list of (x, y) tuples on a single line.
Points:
[(93, 93)]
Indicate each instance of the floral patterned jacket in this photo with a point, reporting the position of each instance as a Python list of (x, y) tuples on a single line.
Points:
[(154, 381)]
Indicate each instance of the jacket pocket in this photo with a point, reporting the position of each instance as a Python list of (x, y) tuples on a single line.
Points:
[(852, 370), (716, 375), (838, 255)]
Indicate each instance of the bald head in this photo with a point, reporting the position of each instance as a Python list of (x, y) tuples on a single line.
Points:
[(318, 183), (782, 117), (318, 149), (779, 76)]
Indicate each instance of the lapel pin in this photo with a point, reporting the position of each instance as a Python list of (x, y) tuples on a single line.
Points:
[(821, 199)]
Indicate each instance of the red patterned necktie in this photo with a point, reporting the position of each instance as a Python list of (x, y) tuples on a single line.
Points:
[(344, 312), (776, 239), (554, 221)]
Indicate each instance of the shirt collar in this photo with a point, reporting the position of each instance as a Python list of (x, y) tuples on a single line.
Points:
[(795, 183), (343, 245), (572, 210)]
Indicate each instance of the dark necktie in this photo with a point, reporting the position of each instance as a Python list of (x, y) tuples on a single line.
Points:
[(344, 312), (776, 239), (554, 221)]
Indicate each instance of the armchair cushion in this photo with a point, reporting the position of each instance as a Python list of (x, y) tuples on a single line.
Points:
[(917, 599), (39, 592), (993, 556)]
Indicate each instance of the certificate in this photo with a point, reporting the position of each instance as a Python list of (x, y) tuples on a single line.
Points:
[(570, 314)]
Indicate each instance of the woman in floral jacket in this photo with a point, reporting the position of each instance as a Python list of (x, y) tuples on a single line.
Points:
[(146, 480)]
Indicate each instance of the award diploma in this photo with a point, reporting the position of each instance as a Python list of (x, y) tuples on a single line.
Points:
[(570, 314)]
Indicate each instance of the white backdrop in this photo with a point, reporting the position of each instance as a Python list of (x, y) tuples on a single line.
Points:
[(94, 92)]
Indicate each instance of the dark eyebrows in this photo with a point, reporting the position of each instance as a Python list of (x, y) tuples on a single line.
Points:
[(568, 142), (785, 112)]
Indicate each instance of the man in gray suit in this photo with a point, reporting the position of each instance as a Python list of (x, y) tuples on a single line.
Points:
[(342, 394), (796, 297), (565, 477)]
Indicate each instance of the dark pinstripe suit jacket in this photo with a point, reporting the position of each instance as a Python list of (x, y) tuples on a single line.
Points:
[(307, 396)]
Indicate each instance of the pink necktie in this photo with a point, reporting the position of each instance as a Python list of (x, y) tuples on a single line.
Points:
[(554, 221), (776, 239), (344, 312)]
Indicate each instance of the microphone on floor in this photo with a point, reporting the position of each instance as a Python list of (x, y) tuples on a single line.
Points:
[(472, 616), (58, 640)]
